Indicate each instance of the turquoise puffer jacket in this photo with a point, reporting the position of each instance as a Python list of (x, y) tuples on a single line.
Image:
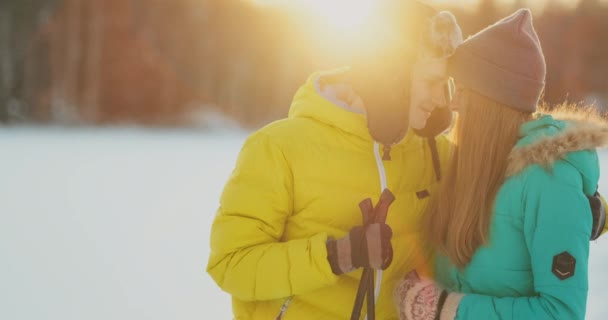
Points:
[(535, 265)]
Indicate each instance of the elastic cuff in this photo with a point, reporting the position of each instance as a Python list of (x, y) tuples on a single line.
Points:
[(450, 307), (332, 257)]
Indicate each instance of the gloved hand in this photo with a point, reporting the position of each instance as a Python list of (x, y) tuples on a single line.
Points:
[(422, 299), (363, 247), (598, 211), (606, 210)]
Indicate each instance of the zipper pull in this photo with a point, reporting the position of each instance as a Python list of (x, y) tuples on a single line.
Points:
[(387, 153)]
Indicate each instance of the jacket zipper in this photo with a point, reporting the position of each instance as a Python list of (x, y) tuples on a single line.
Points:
[(383, 186)]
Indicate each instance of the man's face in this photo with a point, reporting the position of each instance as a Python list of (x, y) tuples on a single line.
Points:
[(429, 80)]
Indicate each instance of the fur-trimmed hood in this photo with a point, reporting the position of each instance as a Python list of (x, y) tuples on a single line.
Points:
[(556, 136)]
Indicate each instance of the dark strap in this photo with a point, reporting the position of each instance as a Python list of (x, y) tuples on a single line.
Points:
[(435, 156), (442, 298)]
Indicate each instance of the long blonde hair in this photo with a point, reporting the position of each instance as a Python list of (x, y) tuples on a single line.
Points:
[(458, 216)]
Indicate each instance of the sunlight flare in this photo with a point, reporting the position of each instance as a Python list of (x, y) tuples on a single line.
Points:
[(341, 15)]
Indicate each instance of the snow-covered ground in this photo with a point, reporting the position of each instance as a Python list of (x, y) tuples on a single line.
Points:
[(114, 224)]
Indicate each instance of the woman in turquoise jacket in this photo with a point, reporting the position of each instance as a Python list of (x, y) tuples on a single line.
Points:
[(512, 221)]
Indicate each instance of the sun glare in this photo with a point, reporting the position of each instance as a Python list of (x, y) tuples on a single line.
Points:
[(341, 15)]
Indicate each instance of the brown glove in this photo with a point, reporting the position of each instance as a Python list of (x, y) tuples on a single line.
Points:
[(367, 246), (363, 247), (598, 210)]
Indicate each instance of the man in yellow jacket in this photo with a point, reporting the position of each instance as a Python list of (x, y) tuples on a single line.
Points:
[(282, 240)]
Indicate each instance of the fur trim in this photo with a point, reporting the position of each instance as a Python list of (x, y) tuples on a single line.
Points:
[(588, 131), (331, 86), (343, 96), (446, 34)]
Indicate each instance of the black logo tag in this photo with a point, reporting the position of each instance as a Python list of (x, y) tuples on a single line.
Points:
[(563, 265)]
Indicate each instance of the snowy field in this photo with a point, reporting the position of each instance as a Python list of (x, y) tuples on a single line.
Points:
[(114, 224)]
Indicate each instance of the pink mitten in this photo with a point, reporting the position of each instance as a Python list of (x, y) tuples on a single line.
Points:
[(422, 299)]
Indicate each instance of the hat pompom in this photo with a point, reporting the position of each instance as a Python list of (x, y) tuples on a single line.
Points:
[(446, 34)]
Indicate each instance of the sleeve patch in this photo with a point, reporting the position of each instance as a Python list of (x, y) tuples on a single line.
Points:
[(564, 265)]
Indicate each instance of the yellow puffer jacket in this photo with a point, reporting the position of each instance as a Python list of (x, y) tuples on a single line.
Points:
[(299, 181)]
